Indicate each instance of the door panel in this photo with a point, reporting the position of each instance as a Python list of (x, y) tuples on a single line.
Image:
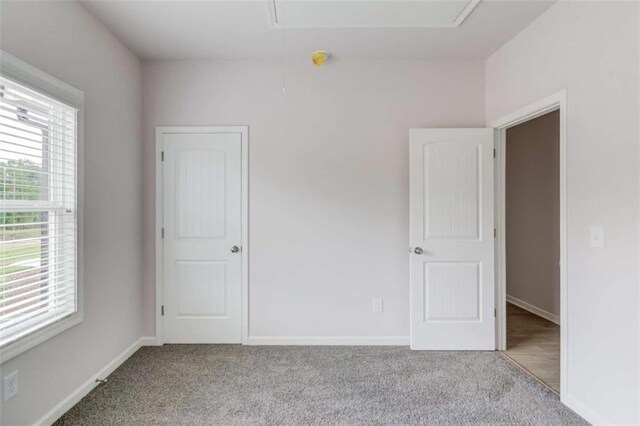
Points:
[(202, 288), (451, 191), (202, 222), (451, 221), (201, 184), (451, 291)]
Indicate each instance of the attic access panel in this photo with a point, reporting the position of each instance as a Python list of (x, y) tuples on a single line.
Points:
[(369, 13)]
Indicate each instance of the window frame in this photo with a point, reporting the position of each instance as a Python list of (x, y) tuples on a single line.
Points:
[(27, 75)]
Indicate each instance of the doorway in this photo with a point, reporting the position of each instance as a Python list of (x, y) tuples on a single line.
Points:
[(532, 222), (531, 239), (201, 244)]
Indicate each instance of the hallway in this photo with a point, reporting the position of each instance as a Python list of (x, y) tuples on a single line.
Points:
[(534, 343)]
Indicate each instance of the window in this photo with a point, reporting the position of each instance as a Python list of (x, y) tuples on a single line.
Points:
[(38, 216)]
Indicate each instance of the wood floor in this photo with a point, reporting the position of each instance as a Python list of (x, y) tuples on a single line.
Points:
[(534, 344)]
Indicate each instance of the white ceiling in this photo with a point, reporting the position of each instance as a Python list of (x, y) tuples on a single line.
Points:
[(240, 29)]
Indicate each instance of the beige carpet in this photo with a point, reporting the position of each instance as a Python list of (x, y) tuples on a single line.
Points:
[(252, 385)]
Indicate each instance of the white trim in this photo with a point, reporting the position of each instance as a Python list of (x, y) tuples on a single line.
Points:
[(529, 112), (74, 397), (149, 341), (534, 309), (47, 332), (638, 235), (462, 16), (328, 340), (244, 132), (583, 411), (245, 234), (38, 80), (557, 101), (158, 239), (30, 76), (638, 182)]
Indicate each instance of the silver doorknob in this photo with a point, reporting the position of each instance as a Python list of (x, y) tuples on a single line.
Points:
[(418, 250), (235, 249)]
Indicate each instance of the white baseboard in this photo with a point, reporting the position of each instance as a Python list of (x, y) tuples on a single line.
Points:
[(72, 399), (149, 341), (583, 411), (67, 403), (328, 340), (534, 309)]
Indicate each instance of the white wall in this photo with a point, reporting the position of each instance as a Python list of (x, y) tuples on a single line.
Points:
[(590, 48), (329, 179), (62, 39)]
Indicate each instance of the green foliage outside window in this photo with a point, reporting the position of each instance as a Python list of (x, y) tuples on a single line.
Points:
[(19, 180)]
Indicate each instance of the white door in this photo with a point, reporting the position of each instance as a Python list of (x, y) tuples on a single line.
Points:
[(452, 239), (202, 263)]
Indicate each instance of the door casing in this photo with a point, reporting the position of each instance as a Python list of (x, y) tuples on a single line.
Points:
[(244, 132), (556, 101)]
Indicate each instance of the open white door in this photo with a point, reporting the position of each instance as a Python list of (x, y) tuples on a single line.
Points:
[(452, 239)]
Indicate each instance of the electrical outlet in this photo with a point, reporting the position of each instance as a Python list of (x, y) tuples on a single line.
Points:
[(377, 305), (10, 385)]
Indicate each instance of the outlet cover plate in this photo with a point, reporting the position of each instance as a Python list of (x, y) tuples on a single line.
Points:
[(377, 305), (10, 385)]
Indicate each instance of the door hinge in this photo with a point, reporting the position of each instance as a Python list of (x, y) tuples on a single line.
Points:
[(494, 153), (162, 310), (495, 233), (495, 313), (162, 156), (162, 233)]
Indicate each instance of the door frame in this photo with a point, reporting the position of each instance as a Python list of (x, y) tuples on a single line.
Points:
[(554, 102), (159, 267)]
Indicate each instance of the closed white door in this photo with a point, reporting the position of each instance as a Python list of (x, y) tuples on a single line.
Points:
[(452, 239), (202, 263)]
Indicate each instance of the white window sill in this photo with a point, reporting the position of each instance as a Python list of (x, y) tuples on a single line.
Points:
[(27, 342)]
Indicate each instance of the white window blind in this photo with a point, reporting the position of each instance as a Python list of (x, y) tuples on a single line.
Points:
[(38, 253)]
